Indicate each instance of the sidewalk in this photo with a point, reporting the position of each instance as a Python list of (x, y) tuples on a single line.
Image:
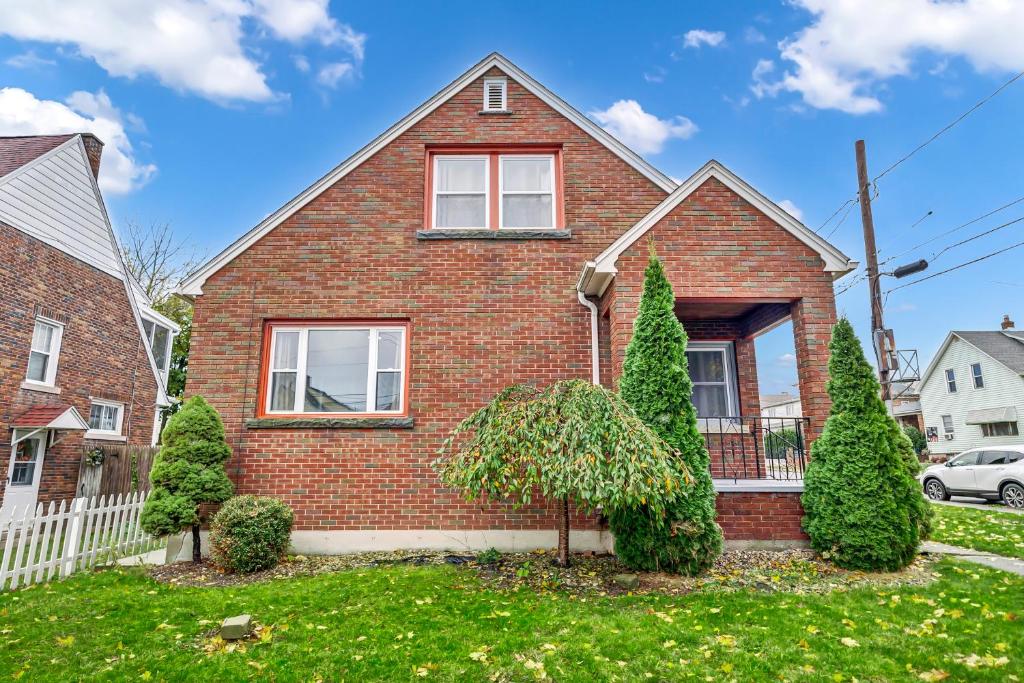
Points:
[(1007, 564)]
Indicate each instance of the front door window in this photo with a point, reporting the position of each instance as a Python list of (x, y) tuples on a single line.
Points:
[(26, 457)]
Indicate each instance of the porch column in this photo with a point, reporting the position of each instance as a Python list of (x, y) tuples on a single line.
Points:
[(813, 318)]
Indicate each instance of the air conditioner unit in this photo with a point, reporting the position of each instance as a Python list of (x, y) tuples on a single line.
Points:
[(949, 436)]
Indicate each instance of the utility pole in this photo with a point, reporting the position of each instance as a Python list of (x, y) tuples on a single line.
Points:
[(882, 338)]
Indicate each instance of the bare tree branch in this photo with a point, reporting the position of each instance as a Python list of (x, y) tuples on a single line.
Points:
[(157, 259)]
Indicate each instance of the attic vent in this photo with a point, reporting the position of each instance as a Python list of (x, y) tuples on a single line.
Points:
[(495, 94)]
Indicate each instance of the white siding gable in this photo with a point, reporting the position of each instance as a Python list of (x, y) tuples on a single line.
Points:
[(53, 199), (1003, 387)]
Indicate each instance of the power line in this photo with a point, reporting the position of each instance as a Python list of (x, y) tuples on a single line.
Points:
[(957, 267), (1018, 200), (948, 127), (841, 220), (974, 237), (835, 213)]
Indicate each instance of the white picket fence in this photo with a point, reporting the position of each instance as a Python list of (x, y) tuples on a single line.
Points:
[(56, 542)]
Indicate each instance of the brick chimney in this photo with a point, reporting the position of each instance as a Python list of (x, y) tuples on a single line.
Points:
[(94, 150), (1007, 324)]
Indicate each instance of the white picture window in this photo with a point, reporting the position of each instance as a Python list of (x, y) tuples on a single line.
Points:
[(527, 187), (947, 424), (44, 352), (336, 370), (460, 192), (105, 418), (714, 379)]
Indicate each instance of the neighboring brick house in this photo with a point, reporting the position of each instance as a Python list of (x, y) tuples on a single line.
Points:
[(76, 365), (495, 235)]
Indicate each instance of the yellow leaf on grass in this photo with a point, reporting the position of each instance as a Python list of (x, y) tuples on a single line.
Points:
[(849, 642), (65, 641), (933, 675)]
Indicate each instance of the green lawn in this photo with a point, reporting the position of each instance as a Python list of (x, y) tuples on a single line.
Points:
[(989, 530), (439, 623)]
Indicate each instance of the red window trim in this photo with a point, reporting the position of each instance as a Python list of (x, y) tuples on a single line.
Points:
[(264, 376), (494, 152)]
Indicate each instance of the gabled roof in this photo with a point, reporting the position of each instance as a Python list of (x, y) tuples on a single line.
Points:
[(772, 400), (17, 151), (1006, 348), (59, 416), (597, 274), (194, 284)]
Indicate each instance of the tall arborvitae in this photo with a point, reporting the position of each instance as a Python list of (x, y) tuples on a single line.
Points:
[(864, 508), (656, 383)]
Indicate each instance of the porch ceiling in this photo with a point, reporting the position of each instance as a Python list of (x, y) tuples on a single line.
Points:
[(750, 316), (719, 310)]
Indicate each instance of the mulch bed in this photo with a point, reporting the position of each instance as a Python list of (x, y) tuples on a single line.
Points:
[(798, 571)]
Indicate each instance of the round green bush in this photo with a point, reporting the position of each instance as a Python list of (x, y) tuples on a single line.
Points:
[(250, 533)]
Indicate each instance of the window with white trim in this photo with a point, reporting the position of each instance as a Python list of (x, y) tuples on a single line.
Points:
[(159, 341), (714, 379), (336, 369), (951, 380), (947, 424), (44, 352), (105, 418), (494, 189), (979, 380), (999, 429)]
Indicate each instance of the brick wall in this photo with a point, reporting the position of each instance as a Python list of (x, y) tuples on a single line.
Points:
[(760, 516), (483, 314), (101, 352)]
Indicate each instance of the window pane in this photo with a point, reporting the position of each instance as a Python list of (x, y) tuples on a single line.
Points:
[(706, 366), (460, 175), (389, 391), (42, 337), (389, 350), (947, 423), (710, 401), (337, 363), (110, 418), (37, 366), (148, 326), (993, 458), (966, 459), (461, 211), (286, 350), (95, 416), (526, 175), (161, 335), (526, 211), (282, 391), (24, 463)]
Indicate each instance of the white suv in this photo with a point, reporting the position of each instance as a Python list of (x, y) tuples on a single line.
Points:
[(994, 473)]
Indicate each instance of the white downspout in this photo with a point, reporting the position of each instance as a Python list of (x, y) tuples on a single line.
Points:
[(595, 353)]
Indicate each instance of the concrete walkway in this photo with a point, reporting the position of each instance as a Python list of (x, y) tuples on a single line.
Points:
[(960, 502), (1007, 564)]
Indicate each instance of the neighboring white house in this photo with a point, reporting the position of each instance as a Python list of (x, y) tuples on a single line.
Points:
[(972, 394), (781, 405)]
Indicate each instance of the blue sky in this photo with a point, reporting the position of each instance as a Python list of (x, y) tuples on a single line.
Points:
[(216, 112)]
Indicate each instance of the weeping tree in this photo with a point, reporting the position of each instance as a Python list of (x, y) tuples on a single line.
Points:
[(864, 508), (187, 472), (683, 536), (573, 442)]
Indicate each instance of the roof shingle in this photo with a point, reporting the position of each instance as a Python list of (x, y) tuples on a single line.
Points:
[(15, 152), (1005, 347)]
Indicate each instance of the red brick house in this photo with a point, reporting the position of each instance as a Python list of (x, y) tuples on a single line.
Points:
[(77, 336), (495, 235)]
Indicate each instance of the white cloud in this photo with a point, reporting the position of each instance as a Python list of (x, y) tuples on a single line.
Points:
[(753, 36), (644, 132), (189, 45), (852, 46), (28, 60), (655, 75), (332, 74), (787, 359), (21, 113), (698, 37), (301, 63), (792, 209), (760, 86)]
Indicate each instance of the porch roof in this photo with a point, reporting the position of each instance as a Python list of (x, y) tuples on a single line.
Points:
[(598, 274), (59, 416)]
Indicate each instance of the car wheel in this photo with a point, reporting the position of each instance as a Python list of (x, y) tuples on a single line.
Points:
[(934, 489), (1013, 495)]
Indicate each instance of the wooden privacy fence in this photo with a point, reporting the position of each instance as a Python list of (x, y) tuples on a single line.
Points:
[(41, 545), (122, 469)]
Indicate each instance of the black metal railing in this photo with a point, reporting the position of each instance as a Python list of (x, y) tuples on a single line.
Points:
[(756, 447)]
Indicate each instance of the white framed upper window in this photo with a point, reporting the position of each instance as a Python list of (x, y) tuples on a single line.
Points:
[(947, 424), (976, 376), (526, 184), (951, 380), (336, 369), (713, 372), (461, 185), (495, 94), (105, 418), (160, 342), (44, 352)]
